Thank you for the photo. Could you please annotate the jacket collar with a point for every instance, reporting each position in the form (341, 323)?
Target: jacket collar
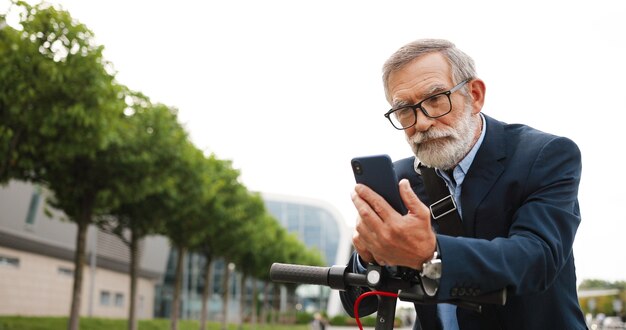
(484, 171)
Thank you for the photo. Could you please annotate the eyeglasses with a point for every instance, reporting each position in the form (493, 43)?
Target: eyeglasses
(434, 106)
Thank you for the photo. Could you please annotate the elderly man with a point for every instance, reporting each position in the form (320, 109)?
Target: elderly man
(515, 190)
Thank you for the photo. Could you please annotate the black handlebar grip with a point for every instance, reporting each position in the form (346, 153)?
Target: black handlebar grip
(299, 274)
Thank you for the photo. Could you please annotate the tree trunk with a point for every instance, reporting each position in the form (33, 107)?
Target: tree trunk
(242, 300)
(134, 262)
(79, 256)
(266, 303)
(177, 288)
(225, 295)
(253, 319)
(276, 302)
(291, 302)
(208, 288)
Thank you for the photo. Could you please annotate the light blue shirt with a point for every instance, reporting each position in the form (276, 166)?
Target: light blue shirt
(447, 312)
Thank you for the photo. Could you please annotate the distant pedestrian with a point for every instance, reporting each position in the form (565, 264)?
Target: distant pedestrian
(319, 322)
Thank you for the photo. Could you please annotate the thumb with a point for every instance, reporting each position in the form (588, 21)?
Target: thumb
(412, 202)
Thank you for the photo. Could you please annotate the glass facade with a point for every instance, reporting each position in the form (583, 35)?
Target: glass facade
(318, 228)
(315, 226)
(314, 223)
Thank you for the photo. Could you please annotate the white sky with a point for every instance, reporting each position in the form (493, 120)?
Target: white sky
(290, 91)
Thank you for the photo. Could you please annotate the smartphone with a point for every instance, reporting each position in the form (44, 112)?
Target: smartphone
(377, 172)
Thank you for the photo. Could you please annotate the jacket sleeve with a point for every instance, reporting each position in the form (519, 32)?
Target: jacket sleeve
(538, 245)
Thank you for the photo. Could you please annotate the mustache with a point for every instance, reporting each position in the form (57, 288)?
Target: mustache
(431, 134)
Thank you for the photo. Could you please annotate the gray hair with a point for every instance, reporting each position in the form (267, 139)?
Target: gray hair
(461, 64)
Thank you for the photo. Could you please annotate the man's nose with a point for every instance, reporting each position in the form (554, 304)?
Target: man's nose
(422, 124)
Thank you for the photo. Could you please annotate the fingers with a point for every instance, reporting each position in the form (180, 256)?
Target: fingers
(368, 224)
(372, 209)
(387, 237)
(366, 257)
(412, 202)
(369, 217)
(368, 200)
(360, 246)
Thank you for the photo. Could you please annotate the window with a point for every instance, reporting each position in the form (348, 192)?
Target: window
(65, 271)
(105, 298)
(9, 261)
(119, 299)
(33, 206)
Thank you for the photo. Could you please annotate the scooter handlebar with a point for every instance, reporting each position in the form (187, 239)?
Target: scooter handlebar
(303, 274)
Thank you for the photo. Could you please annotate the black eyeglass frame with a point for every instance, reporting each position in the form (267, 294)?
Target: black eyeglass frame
(419, 106)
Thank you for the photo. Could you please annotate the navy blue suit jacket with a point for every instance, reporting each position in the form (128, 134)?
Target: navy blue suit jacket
(520, 213)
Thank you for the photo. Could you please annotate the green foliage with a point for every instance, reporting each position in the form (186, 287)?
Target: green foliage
(55, 323)
(601, 284)
(230, 210)
(59, 109)
(304, 318)
(152, 136)
(340, 320)
(192, 190)
(57, 99)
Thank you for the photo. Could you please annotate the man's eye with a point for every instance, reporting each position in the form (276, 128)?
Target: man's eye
(435, 101)
(403, 112)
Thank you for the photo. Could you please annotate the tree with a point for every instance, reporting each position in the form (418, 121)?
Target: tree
(255, 262)
(293, 251)
(58, 105)
(195, 187)
(282, 247)
(248, 260)
(153, 135)
(272, 253)
(244, 215)
(19, 57)
(228, 229)
(55, 91)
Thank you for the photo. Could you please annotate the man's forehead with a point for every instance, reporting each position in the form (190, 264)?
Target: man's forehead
(420, 78)
(419, 92)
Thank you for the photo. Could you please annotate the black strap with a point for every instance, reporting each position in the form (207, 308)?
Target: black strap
(443, 208)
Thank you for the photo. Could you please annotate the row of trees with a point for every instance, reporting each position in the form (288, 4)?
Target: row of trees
(113, 158)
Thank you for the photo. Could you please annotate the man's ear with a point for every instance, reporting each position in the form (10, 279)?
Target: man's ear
(477, 91)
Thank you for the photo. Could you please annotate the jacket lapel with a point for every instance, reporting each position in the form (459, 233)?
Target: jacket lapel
(483, 173)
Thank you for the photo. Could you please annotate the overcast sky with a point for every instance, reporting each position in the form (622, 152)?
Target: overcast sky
(290, 91)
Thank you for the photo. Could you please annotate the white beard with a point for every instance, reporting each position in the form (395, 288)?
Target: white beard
(443, 148)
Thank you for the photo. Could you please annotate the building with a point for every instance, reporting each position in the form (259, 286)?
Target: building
(315, 222)
(320, 226)
(37, 251)
(37, 268)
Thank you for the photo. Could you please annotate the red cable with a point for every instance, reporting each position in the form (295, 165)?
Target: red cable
(367, 294)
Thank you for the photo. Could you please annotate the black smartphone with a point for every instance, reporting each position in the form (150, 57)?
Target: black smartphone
(377, 172)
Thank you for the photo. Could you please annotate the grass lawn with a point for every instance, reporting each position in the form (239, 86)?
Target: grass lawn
(60, 323)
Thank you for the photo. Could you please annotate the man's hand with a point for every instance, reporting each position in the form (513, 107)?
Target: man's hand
(385, 236)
